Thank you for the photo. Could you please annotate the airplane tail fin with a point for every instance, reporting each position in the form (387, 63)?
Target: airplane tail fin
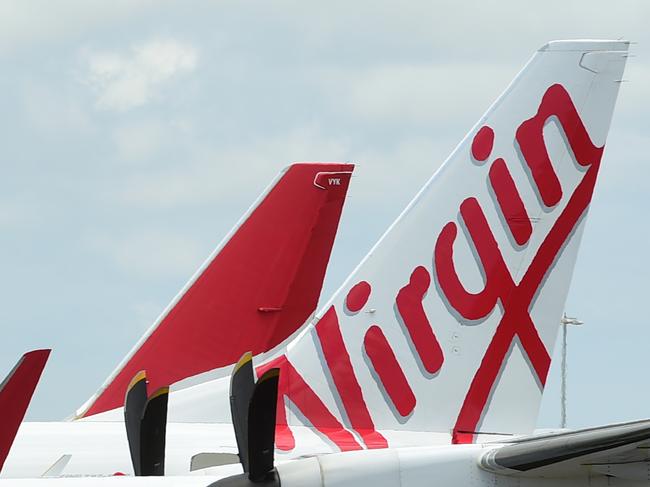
(448, 325)
(257, 288)
(16, 393)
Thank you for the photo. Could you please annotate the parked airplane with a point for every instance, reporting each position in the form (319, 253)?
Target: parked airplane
(431, 359)
(255, 290)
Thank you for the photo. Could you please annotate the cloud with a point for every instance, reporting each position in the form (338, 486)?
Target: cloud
(123, 81)
(153, 188)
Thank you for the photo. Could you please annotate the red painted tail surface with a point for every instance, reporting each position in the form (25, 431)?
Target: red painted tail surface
(260, 285)
(15, 395)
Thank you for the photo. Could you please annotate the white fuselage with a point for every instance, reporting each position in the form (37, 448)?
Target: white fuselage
(443, 466)
(100, 448)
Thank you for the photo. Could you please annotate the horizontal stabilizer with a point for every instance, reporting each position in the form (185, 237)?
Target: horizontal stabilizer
(569, 454)
(209, 460)
(57, 468)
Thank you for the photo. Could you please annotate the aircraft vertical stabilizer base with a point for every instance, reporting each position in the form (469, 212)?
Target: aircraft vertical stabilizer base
(428, 365)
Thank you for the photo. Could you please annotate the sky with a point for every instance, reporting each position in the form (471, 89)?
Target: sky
(135, 133)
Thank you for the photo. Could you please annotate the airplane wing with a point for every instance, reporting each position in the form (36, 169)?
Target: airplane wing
(619, 450)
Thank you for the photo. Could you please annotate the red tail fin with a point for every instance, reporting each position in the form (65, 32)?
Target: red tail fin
(15, 395)
(260, 285)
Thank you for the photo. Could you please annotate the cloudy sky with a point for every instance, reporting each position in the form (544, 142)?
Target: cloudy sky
(135, 133)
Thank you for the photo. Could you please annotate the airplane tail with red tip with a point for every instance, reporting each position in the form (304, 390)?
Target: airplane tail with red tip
(15, 395)
(448, 325)
(259, 286)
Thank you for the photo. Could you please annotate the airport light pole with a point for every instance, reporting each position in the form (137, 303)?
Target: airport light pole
(564, 322)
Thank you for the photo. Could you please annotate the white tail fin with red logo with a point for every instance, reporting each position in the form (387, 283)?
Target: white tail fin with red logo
(448, 325)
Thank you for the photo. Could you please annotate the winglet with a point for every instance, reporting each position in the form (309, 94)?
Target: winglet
(15, 395)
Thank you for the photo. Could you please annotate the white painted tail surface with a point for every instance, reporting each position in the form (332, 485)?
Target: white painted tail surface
(448, 324)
